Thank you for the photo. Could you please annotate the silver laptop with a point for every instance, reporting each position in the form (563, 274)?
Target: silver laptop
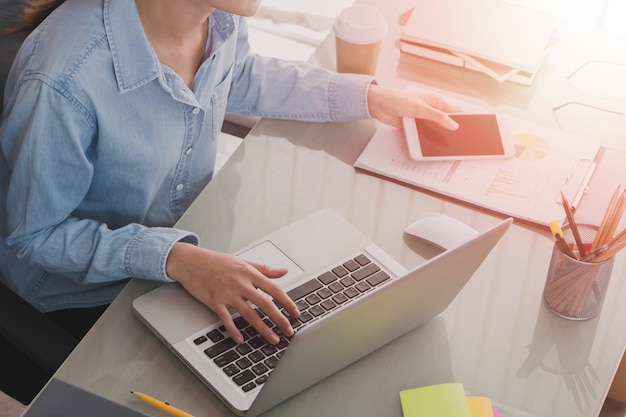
(354, 298)
(60, 398)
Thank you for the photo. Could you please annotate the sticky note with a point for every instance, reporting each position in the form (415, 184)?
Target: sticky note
(480, 406)
(441, 400)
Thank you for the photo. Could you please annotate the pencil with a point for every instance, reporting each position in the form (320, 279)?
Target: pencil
(616, 217)
(559, 241)
(606, 219)
(573, 226)
(615, 246)
(163, 406)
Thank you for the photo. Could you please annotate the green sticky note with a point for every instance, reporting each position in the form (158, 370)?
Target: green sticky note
(441, 400)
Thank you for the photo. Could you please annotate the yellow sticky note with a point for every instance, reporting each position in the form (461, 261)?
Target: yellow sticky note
(480, 406)
(441, 400)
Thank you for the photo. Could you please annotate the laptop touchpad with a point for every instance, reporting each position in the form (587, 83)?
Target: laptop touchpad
(267, 253)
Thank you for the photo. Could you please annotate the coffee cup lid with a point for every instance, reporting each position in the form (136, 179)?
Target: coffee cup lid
(361, 24)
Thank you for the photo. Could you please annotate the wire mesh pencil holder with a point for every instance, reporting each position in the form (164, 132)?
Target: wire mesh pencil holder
(576, 289)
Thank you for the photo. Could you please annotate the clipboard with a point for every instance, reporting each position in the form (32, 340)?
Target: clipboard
(577, 183)
(548, 162)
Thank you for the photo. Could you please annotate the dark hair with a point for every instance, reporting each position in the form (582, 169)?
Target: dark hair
(34, 12)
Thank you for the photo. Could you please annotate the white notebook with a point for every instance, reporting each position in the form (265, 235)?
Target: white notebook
(493, 30)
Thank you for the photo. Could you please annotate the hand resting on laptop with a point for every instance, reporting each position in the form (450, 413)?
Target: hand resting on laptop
(233, 281)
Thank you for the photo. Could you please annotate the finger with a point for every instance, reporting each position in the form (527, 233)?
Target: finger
(283, 299)
(253, 318)
(439, 117)
(278, 294)
(269, 271)
(445, 121)
(270, 309)
(229, 324)
(440, 103)
(268, 306)
(275, 291)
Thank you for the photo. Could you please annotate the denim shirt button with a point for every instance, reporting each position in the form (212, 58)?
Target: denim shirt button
(179, 187)
(196, 110)
(188, 151)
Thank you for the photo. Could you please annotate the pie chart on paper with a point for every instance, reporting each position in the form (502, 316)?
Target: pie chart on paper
(530, 147)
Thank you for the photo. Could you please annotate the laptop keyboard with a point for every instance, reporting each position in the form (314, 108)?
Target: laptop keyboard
(250, 363)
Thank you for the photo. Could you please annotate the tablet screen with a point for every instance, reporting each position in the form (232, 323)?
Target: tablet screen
(477, 135)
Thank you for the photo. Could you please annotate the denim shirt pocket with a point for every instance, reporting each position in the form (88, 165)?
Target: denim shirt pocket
(219, 100)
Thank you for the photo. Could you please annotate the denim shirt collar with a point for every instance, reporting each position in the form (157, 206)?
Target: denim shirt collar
(134, 60)
(224, 25)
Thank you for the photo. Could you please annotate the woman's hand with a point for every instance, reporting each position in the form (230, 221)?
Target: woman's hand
(223, 281)
(389, 106)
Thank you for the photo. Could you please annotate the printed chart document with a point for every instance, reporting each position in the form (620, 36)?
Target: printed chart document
(528, 186)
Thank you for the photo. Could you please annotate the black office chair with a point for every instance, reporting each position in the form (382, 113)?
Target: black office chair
(32, 347)
(9, 44)
(30, 342)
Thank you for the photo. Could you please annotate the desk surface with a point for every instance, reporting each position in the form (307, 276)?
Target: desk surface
(496, 338)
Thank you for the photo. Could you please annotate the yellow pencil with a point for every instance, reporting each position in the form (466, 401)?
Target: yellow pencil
(560, 242)
(163, 406)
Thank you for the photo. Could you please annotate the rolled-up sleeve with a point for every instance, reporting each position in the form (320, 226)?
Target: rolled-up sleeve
(147, 251)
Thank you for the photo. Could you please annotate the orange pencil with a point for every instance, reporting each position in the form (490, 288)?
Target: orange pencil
(573, 226)
(615, 218)
(601, 238)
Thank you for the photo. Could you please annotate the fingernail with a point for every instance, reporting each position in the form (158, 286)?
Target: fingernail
(452, 125)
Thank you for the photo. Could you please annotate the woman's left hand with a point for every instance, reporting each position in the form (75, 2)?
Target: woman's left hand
(389, 106)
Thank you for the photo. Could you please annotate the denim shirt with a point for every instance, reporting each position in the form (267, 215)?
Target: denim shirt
(103, 148)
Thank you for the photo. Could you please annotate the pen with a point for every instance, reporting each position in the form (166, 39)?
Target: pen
(163, 406)
(559, 241)
(573, 226)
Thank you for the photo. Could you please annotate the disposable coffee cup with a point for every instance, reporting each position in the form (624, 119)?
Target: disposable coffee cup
(359, 32)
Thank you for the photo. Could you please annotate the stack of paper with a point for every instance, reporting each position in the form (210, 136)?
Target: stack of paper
(503, 40)
(445, 400)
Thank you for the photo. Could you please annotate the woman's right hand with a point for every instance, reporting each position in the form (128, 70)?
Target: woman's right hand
(222, 281)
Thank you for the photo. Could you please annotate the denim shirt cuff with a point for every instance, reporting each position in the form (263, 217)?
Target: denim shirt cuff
(147, 252)
(348, 97)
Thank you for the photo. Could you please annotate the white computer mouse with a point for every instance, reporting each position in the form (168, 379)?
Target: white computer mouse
(441, 230)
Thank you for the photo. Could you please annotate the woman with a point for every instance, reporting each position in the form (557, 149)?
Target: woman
(112, 110)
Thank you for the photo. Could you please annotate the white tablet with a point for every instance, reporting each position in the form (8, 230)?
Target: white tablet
(479, 136)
